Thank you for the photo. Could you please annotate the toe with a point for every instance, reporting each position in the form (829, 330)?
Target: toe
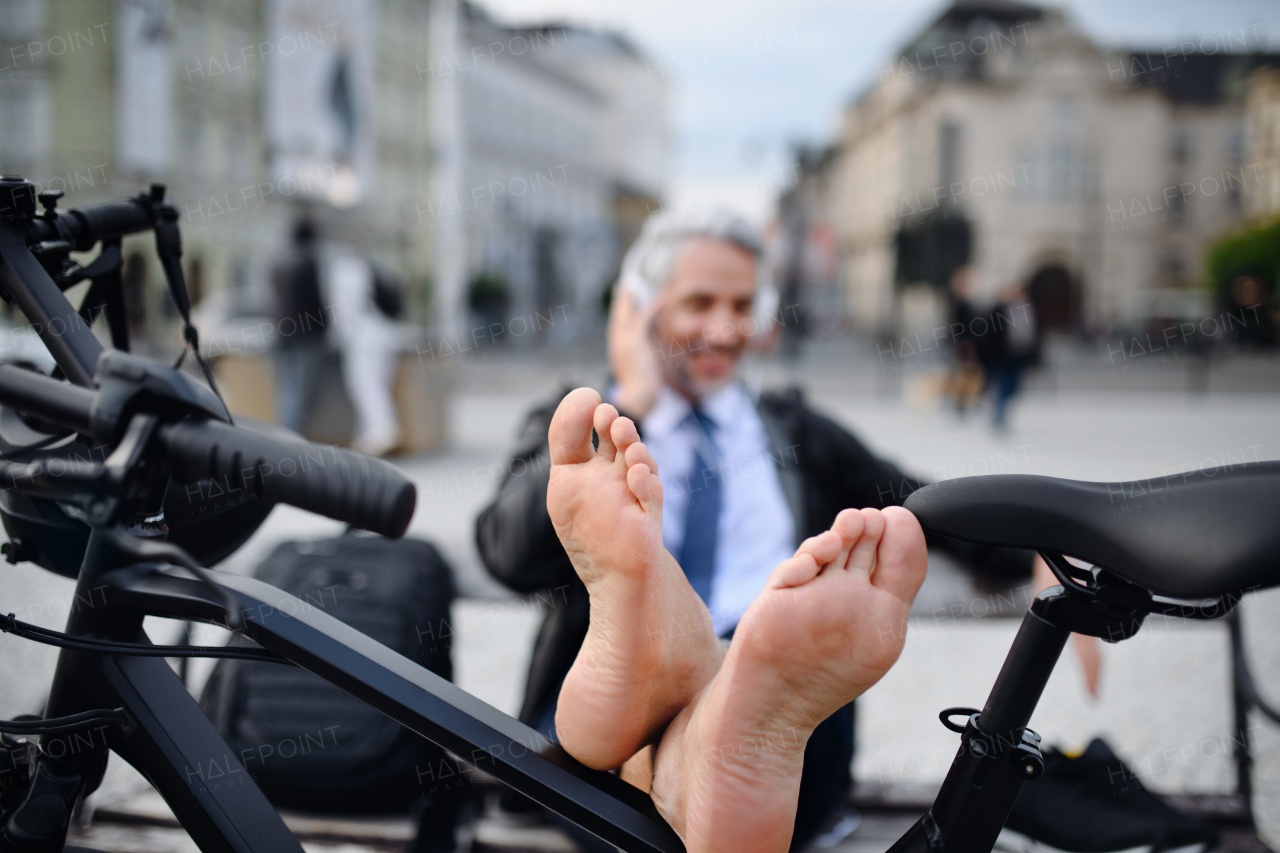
(570, 432)
(848, 526)
(794, 571)
(605, 417)
(823, 548)
(637, 451)
(624, 435)
(863, 556)
(903, 557)
(646, 486)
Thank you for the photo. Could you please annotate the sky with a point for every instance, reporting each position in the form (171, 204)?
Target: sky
(750, 78)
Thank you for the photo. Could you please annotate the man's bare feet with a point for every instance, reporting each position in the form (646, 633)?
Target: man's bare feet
(830, 623)
(650, 646)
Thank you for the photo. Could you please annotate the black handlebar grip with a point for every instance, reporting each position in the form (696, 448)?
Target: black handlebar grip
(107, 221)
(360, 490)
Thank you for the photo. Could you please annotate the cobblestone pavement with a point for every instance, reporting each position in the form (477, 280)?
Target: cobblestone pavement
(1164, 702)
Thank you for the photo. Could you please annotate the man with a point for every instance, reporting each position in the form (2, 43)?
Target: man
(300, 323)
(965, 381)
(370, 343)
(1015, 346)
(745, 478)
(718, 737)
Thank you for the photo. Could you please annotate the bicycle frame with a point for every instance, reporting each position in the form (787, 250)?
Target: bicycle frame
(178, 750)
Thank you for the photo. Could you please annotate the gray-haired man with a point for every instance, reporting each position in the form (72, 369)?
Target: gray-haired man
(745, 476)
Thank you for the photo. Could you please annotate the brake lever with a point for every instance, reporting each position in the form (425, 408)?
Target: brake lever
(108, 260)
(54, 256)
(155, 551)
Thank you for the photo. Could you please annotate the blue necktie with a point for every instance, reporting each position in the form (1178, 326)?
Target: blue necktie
(701, 520)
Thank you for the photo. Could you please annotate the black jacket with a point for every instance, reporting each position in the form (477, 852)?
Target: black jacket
(822, 467)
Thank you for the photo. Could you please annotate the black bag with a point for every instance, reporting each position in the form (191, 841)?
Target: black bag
(310, 745)
(387, 295)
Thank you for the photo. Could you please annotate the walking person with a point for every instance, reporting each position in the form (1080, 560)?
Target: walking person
(370, 344)
(965, 380)
(1015, 346)
(300, 327)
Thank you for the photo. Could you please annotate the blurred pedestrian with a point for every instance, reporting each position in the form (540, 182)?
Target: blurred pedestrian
(1014, 347)
(300, 324)
(965, 380)
(370, 344)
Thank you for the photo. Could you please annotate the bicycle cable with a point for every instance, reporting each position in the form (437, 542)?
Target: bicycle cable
(68, 724)
(15, 452)
(27, 631)
(191, 343)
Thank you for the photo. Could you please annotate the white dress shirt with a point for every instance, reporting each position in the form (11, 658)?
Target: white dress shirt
(756, 531)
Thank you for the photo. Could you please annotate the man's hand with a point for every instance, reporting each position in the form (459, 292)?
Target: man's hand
(1089, 649)
(632, 354)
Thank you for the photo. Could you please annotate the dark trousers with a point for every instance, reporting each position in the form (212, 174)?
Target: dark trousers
(826, 776)
(1007, 377)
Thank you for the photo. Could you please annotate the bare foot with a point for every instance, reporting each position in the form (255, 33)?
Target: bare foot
(650, 646)
(830, 623)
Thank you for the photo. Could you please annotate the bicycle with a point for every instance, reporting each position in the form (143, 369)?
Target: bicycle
(163, 428)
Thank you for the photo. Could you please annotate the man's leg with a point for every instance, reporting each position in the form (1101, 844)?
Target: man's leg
(310, 372)
(829, 624)
(650, 646)
(289, 366)
(1006, 387)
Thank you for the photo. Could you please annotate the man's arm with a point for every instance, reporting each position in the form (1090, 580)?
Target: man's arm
(517, 543)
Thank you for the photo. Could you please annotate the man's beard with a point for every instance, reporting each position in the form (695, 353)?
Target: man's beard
(680, 377)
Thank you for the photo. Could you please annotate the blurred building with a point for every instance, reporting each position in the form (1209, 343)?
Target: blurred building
(249, 110)
(1262, 141)
(1002, 137)
(444, 145)
(804, 253)
(551, 149)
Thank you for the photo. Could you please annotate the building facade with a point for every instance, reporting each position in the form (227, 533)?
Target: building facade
(1262, 142)
(1002, 138)
(546, 138)
(104, 97)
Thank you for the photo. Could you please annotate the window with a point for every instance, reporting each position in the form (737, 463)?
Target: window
(948, 153)
(1235, 145)
(1181, 148)
(22, 124)
(1026, 173)
(1180, 207)
(1064, 168)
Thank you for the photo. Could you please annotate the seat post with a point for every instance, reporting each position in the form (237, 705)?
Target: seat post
(997, 752)
(1240, 707)
(1023, 676)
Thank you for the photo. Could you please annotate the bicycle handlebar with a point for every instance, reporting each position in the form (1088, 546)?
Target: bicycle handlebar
(48, 399)
(87, 225)
(108, 221)
(362, 491)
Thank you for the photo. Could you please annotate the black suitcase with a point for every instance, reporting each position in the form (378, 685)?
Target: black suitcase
(310, 745)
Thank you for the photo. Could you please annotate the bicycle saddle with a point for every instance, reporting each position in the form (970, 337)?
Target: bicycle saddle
(1188, 535)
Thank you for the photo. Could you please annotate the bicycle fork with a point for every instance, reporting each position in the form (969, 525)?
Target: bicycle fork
(167, 737)
(67, 768)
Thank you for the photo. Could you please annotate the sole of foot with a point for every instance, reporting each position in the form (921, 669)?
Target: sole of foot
(829, 624)
(650, 646)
